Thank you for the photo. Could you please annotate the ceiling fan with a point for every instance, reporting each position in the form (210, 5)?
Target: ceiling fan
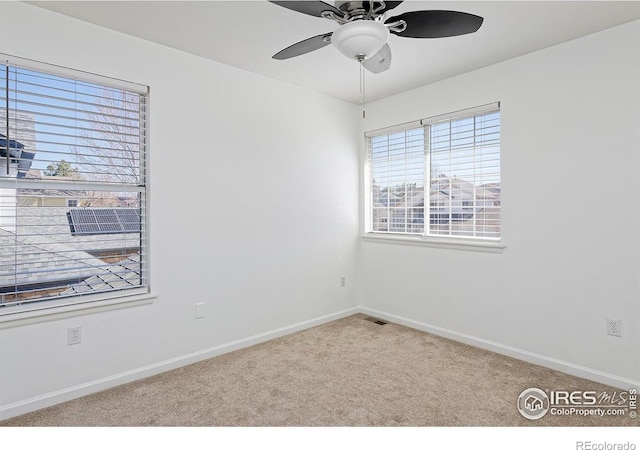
(365, 27)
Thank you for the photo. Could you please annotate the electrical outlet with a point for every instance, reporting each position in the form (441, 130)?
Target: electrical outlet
(74, 335)
(614, 327)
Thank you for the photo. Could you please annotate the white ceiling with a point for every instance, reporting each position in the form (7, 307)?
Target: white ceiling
(245, 34)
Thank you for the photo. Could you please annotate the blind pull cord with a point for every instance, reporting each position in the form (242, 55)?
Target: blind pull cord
(6, 111)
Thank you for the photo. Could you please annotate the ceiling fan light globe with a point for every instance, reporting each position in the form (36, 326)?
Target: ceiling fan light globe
(360, 39)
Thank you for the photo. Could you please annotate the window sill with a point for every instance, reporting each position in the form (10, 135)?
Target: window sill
(30, 313)
(447, 243)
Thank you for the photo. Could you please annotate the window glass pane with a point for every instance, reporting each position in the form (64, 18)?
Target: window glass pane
(94, 128)
(51, 253)
(397, 171)
(465, 177)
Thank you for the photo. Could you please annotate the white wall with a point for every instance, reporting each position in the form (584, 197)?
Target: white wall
(253, 211)
(571, 214)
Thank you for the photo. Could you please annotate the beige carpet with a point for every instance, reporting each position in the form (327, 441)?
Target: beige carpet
(351, 372)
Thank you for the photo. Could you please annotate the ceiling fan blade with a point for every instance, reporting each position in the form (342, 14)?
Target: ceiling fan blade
(306, 46)
(437, 24)
(388, 6)
(379, 62)
(312, 8)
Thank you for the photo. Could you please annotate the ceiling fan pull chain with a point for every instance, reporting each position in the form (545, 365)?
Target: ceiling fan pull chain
(362, 84)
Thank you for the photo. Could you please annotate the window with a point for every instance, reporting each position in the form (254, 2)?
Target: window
(450, 163)
(72, 185)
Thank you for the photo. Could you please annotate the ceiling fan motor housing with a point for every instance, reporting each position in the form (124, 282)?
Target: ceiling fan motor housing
(353, 6)
(360, 39)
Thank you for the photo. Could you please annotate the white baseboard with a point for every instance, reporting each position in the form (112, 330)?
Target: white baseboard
(523, 355)
(73, 392)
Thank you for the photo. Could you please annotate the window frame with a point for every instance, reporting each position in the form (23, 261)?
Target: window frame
(470, 243)
(18, 313)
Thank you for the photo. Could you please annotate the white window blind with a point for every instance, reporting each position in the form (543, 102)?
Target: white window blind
(457, 157)
(66, 141)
